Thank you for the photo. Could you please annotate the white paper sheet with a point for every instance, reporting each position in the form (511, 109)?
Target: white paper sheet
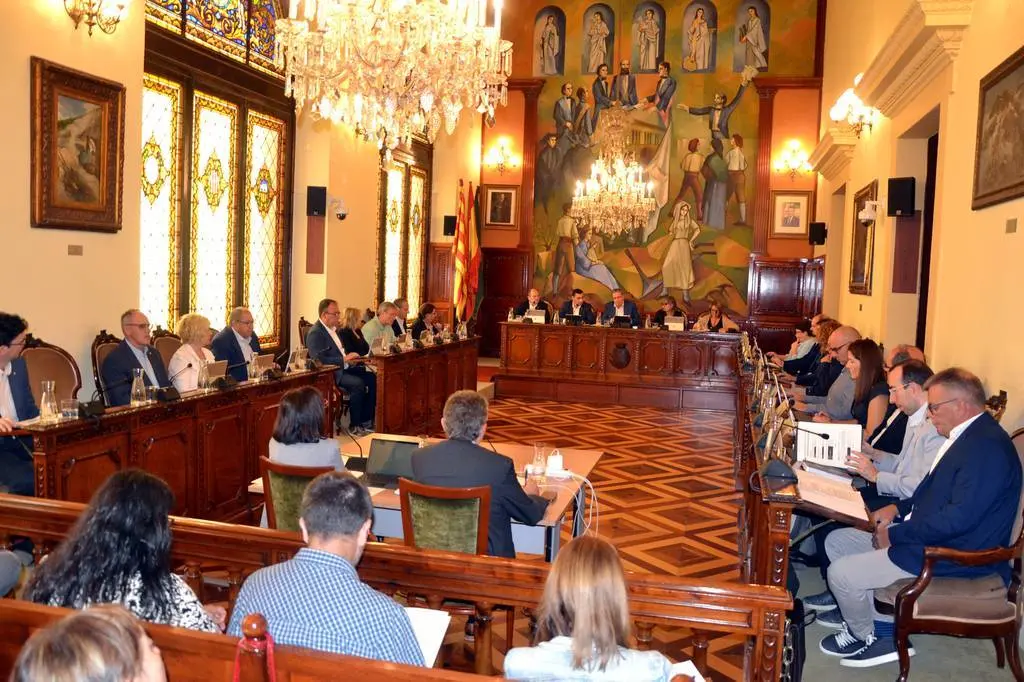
(832, 451)
(686, 668)
(828, 492)
(429, 626)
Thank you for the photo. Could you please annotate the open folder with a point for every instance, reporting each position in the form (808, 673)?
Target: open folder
(830, 492)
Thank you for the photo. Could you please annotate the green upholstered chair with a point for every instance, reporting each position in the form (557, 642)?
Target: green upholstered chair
(283, 486)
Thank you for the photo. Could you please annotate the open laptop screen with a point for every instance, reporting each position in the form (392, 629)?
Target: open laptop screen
(391, 457)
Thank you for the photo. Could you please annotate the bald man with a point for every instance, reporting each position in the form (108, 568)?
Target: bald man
(900, 353)
(533, 302)
(839, 400)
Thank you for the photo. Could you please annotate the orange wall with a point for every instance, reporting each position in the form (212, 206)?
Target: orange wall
(795, 116)
(508, 123)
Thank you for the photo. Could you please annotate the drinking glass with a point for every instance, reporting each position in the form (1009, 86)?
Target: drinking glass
(69, 409)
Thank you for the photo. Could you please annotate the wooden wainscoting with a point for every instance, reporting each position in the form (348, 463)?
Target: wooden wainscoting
(505, 278)
(440, 279)
(781, 292)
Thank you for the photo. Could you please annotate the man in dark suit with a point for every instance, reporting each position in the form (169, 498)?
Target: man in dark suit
(624, 87)
(237, 344)
(967, 501)
(665, 90)
(577, 306)
(533, 302)
(16, 404)
(325, 346)
(400, 325)
(460, 462)
(601, 93)
(134, 352)
(620, 307)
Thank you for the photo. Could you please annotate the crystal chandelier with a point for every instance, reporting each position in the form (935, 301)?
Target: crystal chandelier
(615, 198)
(394, 68)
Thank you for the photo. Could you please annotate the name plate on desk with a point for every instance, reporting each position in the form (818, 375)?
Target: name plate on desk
(676, 324)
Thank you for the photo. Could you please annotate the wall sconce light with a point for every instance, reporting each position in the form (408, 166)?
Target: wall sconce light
(851, 110)
(793, 159)
(500, 157)
(103, 13)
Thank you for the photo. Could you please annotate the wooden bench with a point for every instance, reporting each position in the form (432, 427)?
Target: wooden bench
(755, 612)
(199, 656)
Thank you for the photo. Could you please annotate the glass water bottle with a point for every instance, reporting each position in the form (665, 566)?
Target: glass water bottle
(48, 411)
(139, 397)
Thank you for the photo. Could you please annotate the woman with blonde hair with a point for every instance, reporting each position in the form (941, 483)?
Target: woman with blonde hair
(194, 331)
(583, 623)
(350, 334)
(100, 643)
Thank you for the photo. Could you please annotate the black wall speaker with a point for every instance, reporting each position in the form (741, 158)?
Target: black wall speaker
(316, 201)
(449, 225)
(901, 196)
(816, 234)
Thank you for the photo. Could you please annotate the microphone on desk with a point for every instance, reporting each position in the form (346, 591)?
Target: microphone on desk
(796, 427)
(179, 373)
(170, 394)
(96, 406)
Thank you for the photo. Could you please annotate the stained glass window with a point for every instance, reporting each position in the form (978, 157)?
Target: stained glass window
(394, 242)
(264, 222)
(161, 136)
(240, 29)
(402, 248)
(214, 178)
(417, 234)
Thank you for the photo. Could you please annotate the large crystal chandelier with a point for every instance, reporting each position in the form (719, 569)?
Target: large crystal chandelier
(615, 198)
(394, 68)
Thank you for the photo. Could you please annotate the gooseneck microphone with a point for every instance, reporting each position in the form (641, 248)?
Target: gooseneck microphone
(796, 427)
(179, 373)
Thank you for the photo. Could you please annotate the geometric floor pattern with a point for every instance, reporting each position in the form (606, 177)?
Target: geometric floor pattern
(665, 495)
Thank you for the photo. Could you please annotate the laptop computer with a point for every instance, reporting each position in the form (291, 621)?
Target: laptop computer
(264, 362)
(622, 322)
(215, 370)
(388, 461)
(675, 323)
(535, 316)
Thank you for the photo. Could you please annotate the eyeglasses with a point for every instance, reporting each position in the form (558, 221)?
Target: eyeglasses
(330, 314)
(893, 389)
(934, 407)
(144, 325)
(839, 348)
(247, 323)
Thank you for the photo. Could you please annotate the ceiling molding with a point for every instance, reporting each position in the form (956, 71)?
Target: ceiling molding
(834, 152)
(924, 42)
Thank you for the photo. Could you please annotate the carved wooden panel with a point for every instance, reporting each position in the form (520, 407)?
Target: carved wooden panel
(391, 401)
(440, 273)
(775, 287)
(655, 356)
(620, 353)
(163, 450)
(416, 396)
(554, 351)
(520, 348)
(586, 352)
(83, 468)
(225, 477)
(437, 385)
(689, 360)
(724, 362)
(505, 277)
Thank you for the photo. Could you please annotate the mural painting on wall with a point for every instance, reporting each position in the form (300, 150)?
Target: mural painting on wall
(549, 42)
(691, 127)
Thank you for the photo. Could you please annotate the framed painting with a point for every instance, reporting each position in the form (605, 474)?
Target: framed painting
(862, 255)
(77, 149)
(998, 171)
(791, 213)
(501, 206)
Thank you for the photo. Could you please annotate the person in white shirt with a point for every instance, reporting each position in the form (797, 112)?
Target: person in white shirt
(188, 360)
(583, 623)
(17, 474)
(736, 163)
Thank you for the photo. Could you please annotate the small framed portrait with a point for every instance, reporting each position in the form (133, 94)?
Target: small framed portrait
(501, 206)
(792, 212)
(77, 149)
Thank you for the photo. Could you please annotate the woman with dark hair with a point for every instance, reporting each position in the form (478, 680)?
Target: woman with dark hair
(297, 440)
(119, 552)
(426, 320)
(802, 353)
(871, 392)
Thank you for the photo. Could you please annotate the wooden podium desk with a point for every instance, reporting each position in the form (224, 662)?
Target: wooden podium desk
(412, 386)
(645, 367)
(206, 446)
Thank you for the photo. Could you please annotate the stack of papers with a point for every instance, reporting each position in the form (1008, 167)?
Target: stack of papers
(831, 492)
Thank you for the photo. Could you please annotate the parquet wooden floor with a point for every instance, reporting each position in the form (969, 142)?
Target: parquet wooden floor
(665, 495)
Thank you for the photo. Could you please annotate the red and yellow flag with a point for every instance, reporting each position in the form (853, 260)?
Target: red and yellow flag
(460, 298)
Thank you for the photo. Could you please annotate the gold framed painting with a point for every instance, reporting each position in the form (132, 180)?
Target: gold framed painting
(501, 206)
(792, 212)
(862, 255)
(998, 172)
(77, 149)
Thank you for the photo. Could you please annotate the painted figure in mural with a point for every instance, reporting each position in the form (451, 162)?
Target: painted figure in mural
(563, 113)
(719, 112)
(588, 251)
(698, 38)
(716, 179)
(598, 33)
(677, 270)
(602, 94)
(582, 120)
(624, 87)
(736, 162)
(568, 237)
(648, 34)
(549, 165)
(691, 165)
(664, 92)
(550, 47)
(752, 37)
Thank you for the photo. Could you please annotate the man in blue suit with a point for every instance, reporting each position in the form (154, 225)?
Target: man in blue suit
(134, 352)
(16, 404)
(968, 502)
(237, 344)
(665, 91)
(718, 113)
(577, 306)
(602, 94)
(620, 307)
(325, 345)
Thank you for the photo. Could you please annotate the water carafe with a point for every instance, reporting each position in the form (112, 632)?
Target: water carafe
(139, 397)
(48, 412)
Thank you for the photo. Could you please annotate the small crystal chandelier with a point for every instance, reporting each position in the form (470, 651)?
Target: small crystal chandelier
(102, 13)
(394, 68)
(793, 160)
(615, 198)
(849, 109)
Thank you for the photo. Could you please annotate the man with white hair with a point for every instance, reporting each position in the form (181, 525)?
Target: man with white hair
(237, 343)
(380, 326)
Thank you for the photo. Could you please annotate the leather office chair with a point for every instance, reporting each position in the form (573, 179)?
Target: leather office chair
(962, 607)
(166, 343)
(449, 520)
(102, 346)
(47, 362)
(283, 486)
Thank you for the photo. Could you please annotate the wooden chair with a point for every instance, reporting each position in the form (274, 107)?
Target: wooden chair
(962, 607)
(304, 327)
(448, 520)
(47, 362)
(283, 486)
(996, 405)
(102, 346)
(166, 343)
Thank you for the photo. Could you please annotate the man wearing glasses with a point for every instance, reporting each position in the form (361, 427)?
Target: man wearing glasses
(16, 404)
(839, 400)
(967, 501)
(134, 352)
(237, 344)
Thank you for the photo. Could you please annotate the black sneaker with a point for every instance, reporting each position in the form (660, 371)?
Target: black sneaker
(823, 601)
(844, 644)
(830, 619)
(879, 651)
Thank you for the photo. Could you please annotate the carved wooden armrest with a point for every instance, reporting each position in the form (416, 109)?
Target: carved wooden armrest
(979, 558)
